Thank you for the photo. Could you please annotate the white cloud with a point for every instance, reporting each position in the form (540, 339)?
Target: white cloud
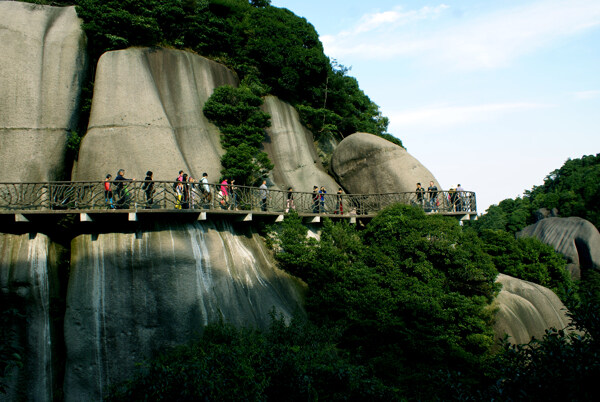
(395, 18)
(486, 41)
(445, 116)
(586, 95)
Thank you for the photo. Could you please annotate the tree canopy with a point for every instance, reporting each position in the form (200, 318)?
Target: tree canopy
(410, 292)
(237, 113)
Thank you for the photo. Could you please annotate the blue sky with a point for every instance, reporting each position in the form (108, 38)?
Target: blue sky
(490, 94)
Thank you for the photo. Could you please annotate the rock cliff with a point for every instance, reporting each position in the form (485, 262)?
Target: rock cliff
(290, 147)
(147, 115)
(526, 310)
(42, 68)
(29, 284)
(575, 238)
(131, 295)
(368, 164)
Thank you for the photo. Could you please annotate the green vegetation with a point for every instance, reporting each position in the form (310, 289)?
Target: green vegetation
(291, 362)
(410, 293)
(528, 259)
(236, 111)
(574, 190)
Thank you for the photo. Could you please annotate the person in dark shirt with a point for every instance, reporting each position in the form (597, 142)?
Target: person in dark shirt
(290, 200)
(420, 191)
(322, 193)
(148, 188)
(432, 190)
(315, 200)
(122, 191)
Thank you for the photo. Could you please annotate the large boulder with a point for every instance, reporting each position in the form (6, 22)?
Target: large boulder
(291, 148)
(575, 238)
(132, 295)
(42, 68)
(147, 115)
(367, 164)
(29, 291)
(527, 310)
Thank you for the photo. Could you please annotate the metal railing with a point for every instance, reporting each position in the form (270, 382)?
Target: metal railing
(169, 195)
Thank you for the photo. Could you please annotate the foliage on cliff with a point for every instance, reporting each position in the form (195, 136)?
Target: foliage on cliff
(410, 292)
(528, 259)
(260, 42)
(295, 362)
(574, 189)
(236, 111)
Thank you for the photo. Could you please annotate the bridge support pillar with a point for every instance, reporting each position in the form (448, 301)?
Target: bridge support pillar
(244, 218)
(83, 217)
(21, 218)
(132, 216)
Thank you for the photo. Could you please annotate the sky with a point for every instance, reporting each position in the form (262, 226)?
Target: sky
(493, 95)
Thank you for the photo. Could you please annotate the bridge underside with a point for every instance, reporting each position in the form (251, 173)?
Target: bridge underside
(119, 219)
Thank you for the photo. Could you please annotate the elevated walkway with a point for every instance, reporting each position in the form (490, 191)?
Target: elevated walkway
(139, 201)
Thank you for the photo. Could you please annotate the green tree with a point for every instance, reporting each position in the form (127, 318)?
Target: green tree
(410, 292)
(292, 362)
(237, 113)
(528, 259)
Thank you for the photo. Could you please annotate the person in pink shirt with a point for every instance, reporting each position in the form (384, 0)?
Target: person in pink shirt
(224, 194)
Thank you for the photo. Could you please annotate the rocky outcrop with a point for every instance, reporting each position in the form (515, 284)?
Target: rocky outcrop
(575, 238)
(526, 310)
(367, 164)
(147, 115)
(28, 283)
(42, 67)
(290, 147)
(133, 294)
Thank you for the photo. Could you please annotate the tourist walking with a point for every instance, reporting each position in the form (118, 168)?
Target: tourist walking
(290, 200)
(322, 193)
(206, 196)
(315, 200)
(121, 190)
(224, 194)
(432, 190)
(264, 193)
(148, 188)
(420, 192)
(339, 202)
(108, 194)
(233, 193)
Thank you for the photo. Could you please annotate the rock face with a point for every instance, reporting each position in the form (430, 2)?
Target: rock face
(526, 309)
(131, 295)
(575, 238)
(42, 67)
(147, 115)
(368, 164)
(290, 147)
(28, 283)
